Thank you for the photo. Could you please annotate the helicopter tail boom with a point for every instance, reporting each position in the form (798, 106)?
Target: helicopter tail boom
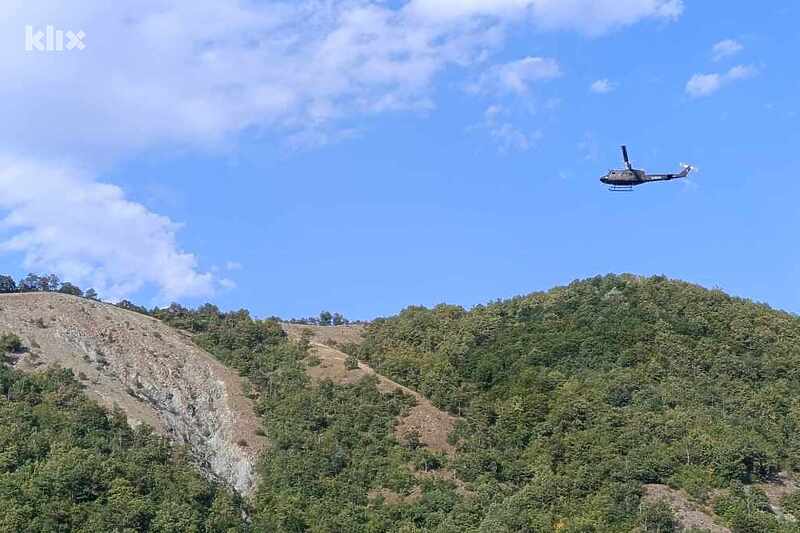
(666, 177)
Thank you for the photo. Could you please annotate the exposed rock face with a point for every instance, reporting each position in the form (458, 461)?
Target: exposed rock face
(155, 374)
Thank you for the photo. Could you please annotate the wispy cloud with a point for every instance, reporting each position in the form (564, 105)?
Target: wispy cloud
(517, 77)
(507, 136)
(592, 17)
(233, 265)
(588, 147)
(701, 85)
(725, 48)
(602, 86)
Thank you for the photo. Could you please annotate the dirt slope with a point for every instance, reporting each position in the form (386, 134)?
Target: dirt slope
(777, 489)
(694, 515)
(432, 424)
(327, 334)
(154, 373)
(689, 514)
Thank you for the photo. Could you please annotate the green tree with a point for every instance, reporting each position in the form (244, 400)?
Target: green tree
(66, 464)
(7, 284)
(351, 362)
(69, 288)
(224, 515)
(9, 342)
(30, 283)
(176, 517)
(325, 318)
(657, 517)
(50, 282)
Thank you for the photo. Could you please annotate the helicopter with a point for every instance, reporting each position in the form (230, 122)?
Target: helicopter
(627, 178)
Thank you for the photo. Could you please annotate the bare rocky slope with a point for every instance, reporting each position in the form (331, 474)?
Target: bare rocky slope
(154, 373)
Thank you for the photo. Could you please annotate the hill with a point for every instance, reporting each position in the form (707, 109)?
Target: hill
(574, 399)
(614, 404)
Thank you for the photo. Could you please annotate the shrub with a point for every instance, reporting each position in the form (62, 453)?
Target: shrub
(657, 517)
(427, 461)
(791, 504)
(9, 342)
(351, 363)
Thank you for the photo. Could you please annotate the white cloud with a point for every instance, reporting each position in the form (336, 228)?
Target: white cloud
(602, 86)
(196, 73)
(227, 284)
(170, 71)
(449, 10)
(703, 84)
(596, 17)
(707, 84)
(726, 48)
(507, 136)
(514, 78)
(741, 72)
(593, 17)
(63, 221)
(233, 265)
(517, 76)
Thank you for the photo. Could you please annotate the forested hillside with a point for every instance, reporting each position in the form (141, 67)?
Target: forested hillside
(574, 398)
(67, 464)
(334, 458)
(597, 407)
(572, 403)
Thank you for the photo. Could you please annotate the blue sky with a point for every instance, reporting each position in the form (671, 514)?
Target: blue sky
(461, 172)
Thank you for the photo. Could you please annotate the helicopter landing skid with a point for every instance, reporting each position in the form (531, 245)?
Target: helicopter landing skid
(621, 188)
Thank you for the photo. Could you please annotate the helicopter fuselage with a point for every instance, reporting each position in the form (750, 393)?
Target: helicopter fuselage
(620, 177)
